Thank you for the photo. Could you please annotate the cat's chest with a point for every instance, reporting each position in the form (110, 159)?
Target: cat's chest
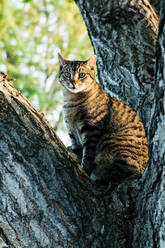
(77, 116)
(88, 113)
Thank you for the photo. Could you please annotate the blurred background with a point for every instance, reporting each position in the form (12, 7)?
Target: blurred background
(32, 32)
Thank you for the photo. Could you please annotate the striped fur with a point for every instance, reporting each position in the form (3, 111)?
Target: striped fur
(106, 134)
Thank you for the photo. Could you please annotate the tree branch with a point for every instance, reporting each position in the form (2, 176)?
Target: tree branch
(40, 181)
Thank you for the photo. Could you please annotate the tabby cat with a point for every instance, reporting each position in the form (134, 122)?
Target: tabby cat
(105, 133)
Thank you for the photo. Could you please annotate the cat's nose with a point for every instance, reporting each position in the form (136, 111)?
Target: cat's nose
(73, 82)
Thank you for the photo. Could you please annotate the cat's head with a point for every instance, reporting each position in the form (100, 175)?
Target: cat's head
(77, 76)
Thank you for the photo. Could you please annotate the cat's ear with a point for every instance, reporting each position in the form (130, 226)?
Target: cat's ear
(61, 59)
(92, 62)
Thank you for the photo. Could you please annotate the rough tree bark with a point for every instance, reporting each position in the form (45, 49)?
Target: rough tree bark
(149, 224)
(46, 200)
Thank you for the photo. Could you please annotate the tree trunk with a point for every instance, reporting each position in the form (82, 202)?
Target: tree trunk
(46, 200)
(149, 224)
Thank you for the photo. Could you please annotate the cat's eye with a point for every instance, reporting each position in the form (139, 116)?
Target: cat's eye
(67, 74)
(82, 75)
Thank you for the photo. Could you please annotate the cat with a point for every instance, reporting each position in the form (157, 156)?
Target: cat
(106, 134)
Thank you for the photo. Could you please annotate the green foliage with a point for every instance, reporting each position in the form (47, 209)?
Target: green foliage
(32, 33)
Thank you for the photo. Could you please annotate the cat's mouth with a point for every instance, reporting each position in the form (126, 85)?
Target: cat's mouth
(76, 88)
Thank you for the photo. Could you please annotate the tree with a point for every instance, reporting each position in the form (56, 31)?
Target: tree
(46, 198)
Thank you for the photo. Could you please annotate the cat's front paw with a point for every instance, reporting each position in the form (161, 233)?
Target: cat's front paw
(76, 151)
